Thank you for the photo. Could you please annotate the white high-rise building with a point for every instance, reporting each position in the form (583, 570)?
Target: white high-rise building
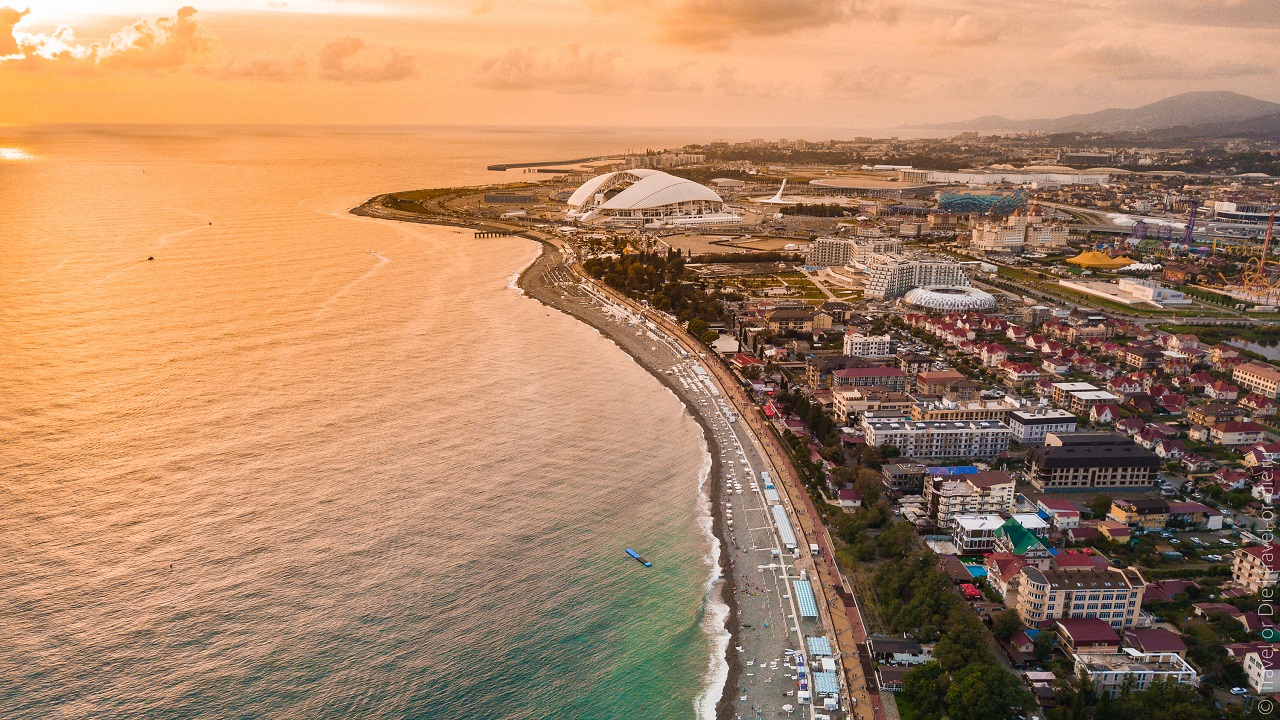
(868, 345)
(891, 275)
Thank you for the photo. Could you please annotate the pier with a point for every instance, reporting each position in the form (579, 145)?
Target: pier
(501, 167)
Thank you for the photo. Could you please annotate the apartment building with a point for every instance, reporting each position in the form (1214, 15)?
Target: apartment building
(1257, 567)
(982, 493)
(1030, 427)
(1113, 595)
(1085, 461)
(1080, 397)
(889, 377)
(938, 439)
(948, 409)
(975, 533)
(849, 405)
(891, 275)
(868, 345)
(1262, 667)
(1260, 378)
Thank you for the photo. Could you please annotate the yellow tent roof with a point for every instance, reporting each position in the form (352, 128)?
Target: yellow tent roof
(1095, 259)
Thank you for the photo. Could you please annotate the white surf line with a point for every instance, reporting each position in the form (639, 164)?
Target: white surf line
(382, 260)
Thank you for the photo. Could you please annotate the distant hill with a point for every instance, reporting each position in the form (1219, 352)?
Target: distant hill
(1192, 109)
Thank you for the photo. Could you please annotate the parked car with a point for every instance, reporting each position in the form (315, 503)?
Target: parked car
(1213, 558)
(1239, 691)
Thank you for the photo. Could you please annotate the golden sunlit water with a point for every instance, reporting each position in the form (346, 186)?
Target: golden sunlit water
(262, 458)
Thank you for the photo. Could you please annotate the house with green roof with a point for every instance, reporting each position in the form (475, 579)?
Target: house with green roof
(1012, 537)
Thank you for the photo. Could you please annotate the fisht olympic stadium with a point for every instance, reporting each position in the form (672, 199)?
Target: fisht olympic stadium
(647, 198)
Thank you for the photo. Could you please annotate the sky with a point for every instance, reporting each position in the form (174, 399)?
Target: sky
(768, 63)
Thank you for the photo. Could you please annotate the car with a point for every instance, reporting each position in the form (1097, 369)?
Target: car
(1213, 558)
(1175, 541)
(1228, 543)
(1197, 540)
(1239, 691)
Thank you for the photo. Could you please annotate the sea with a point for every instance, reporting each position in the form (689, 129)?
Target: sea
(260, 458)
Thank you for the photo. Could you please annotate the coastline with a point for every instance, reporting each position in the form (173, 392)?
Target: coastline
(535, 282)
(540, 280)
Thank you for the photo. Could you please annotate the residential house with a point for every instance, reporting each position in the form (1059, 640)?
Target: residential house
(1104, 413)
(1063, 513)
(850, 500)
(1214, 413)
(1087, 635)
(1258, 405)
(1222, 391)
(1235, 434)
(1262, 454)
(975, 533)
(1145, 513)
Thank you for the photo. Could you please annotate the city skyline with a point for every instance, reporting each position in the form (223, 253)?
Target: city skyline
(852, 64)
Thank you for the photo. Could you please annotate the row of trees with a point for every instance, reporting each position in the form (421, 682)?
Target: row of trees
(660, 279)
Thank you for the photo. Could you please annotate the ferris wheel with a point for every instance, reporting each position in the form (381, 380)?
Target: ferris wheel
(1259, 277)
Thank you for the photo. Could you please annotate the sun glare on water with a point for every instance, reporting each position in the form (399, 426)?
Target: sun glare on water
(11, 153)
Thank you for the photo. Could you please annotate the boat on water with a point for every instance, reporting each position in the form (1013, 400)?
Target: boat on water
(639, 558)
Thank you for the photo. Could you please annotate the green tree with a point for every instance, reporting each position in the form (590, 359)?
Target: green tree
(1004, 625)
(1044, 646)
(924, 688)
(1100, 505)
(985, 692)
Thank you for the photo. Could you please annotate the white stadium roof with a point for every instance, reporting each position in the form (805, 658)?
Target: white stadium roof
(649, 189)
(940, 297)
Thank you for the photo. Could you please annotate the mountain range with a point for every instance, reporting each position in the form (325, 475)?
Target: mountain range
(1202, 110)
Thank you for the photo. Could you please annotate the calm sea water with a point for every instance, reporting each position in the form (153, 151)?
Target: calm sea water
(307, 465)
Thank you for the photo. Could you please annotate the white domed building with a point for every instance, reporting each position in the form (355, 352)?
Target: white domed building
(642, 197)
(941, 297)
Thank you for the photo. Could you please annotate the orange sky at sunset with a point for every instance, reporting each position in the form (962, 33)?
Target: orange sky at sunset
(832, 63)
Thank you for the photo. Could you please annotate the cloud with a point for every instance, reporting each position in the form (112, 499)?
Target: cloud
(157, 44)
(713, 23)
(293, 66)
(1126, 61)
(868, 82)
(160, 43)
(173, 43)
(9, 17)
(348, 59)
(571, 69)
(962, 31)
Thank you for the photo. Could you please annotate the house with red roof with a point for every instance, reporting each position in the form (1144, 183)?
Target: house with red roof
(1259, 405)
(1262, 454)
(1229, 478)
(850, 500)
(1194, 463)
(1155, 640)
(1104, 413)
(1170, 449)
(1130, 426)
(1084, 636)
(1235, 434)
(1222, 391)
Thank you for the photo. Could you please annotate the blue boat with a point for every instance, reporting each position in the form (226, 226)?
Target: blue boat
(639, 558)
